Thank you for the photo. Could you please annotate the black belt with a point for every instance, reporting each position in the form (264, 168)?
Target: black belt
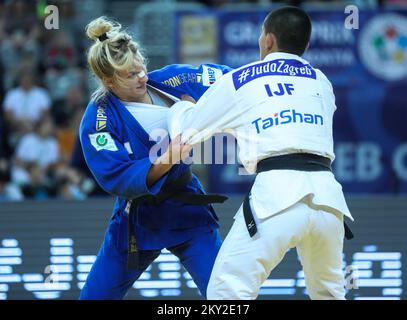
(170, 190)
(295, 161)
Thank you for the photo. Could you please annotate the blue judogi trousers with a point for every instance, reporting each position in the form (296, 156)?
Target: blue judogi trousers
(109, 278)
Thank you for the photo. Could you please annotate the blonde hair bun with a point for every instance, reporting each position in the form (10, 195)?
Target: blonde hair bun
(102, 25)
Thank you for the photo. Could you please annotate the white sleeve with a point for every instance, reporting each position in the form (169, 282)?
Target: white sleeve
(327, 90)
(218, 110)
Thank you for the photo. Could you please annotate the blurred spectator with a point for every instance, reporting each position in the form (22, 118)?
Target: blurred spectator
(19, 37)
(4, 149)
(88, 183)
(24, 106)
(59, 79)
(39, 146)
(8, 190)
(36, 155)
(71, 185)
(60, 50)
(60, 61)
(72, 26)
(67, 115)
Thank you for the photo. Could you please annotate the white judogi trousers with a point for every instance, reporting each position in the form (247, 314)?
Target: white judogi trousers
(244, 263)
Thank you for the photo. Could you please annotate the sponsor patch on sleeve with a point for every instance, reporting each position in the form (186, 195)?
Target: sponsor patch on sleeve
(102, 141)
(210, 75)
(101, 118)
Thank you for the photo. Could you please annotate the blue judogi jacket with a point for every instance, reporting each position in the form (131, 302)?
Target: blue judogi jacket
(116, 149)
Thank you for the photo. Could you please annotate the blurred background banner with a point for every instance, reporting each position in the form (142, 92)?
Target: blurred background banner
(367, 67)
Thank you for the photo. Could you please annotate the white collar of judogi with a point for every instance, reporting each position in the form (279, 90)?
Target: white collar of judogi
(284, 55)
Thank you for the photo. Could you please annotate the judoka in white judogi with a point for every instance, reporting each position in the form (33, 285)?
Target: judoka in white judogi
(280, 105)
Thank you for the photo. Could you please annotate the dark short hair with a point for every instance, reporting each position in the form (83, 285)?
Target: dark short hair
(292, 28)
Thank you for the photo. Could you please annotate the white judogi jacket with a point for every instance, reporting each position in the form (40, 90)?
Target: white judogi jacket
(280, 105)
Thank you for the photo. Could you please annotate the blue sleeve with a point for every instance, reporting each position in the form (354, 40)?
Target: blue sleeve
(179, 79)
(111, 164)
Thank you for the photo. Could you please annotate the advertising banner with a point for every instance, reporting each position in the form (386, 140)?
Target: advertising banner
(47, 249)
